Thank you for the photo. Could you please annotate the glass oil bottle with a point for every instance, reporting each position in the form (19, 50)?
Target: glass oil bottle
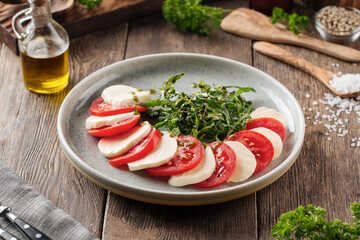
(43, 47)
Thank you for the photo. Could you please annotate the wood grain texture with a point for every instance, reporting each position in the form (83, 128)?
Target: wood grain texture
(77, 20)
(326, 173)
(319, 73)
(28, 128)
(255, 25)
(129, 219)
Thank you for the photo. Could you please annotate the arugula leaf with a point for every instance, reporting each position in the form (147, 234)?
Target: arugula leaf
(309, 223)
(295, 23)
(210, 112)
(191, 15)
(90, 3)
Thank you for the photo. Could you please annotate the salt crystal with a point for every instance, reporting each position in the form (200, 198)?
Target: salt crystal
(353, 144)
(346, 83)
(307, 95)
(315, 102)
(337, 65)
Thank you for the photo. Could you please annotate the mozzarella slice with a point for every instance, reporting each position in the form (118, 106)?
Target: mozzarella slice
(97, 122)
(274, 138)
(164, 153)
(245, 162)
(122, 95)
(119, 144)
(198, 174)
(268, 112)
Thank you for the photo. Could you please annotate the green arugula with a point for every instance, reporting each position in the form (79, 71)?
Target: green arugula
(89, 4)
(309, 223)
(191, 15)
(295, 23)
(210, 112)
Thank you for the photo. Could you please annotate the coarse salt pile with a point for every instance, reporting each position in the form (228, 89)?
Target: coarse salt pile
(336, 116)
(346, 83)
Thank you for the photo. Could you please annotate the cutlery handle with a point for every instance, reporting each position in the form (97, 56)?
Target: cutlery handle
(7, 236)
(30, 232)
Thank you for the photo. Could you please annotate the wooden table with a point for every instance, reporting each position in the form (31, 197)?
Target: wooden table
(325, 174)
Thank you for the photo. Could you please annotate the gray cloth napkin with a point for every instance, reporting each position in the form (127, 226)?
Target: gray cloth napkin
(29, 205)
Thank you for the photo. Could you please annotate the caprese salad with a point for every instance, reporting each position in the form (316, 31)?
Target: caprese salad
(125, 139)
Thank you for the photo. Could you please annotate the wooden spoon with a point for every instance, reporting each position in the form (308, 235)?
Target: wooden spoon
(321, 74)
(255, 25)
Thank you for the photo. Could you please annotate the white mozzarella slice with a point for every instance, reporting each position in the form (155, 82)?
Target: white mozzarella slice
(122, 95)
(268, 112)
(164, 153)
(198, 174)
(245, 162)
(119, 144)
(97, 122)
(274, 139)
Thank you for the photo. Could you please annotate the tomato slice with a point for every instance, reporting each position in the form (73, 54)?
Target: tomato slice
(115, 129)
(140, 150)
(188, 155)
(225, 164)
(269, 123)
(258, 144)
(102, 109)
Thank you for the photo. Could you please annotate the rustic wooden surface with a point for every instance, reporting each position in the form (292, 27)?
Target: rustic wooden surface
(76, 19)
(325, 174)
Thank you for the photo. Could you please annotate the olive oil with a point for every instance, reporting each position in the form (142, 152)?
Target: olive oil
(43, 47)
(45, 75)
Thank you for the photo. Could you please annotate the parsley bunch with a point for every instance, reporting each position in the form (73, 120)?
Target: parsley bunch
(191, 15)
(295, 23)
(211, 112)
(309, 223)
(90, 3)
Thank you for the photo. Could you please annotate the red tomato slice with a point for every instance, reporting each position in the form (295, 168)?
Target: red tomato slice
(102, 109)
(225, 164)
(140, 150)
(115, 129)
(269, 123)
(189, 154)
(258, 144)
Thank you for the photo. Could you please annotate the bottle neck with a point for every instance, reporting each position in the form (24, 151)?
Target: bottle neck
(41, 12)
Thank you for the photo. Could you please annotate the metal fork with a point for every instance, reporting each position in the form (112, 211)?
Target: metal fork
(30, 232)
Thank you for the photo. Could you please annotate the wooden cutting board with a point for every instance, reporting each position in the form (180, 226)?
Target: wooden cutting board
(76, 19)
(255, 25)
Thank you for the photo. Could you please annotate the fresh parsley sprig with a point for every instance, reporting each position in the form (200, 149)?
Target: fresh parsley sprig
(191, 15)
(210, 112)
(89, 4)
(295, 23)
(309, 223)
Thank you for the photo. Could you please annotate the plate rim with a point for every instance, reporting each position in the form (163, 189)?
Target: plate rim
(94, 174)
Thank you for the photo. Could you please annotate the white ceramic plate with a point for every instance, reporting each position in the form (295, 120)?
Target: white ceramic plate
(149, 72)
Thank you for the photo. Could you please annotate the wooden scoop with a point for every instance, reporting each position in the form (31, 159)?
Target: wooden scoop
(321, 74)
(255, 25)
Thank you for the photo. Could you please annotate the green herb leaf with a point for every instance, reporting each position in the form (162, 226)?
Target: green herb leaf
(309, 223)
(294, 22)
(210, 112)
(89, 4)
(191, 15)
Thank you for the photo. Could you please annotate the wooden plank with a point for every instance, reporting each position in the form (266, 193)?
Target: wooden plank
(77, 20)
(327, 171)
(28, 135)
(129, 219)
